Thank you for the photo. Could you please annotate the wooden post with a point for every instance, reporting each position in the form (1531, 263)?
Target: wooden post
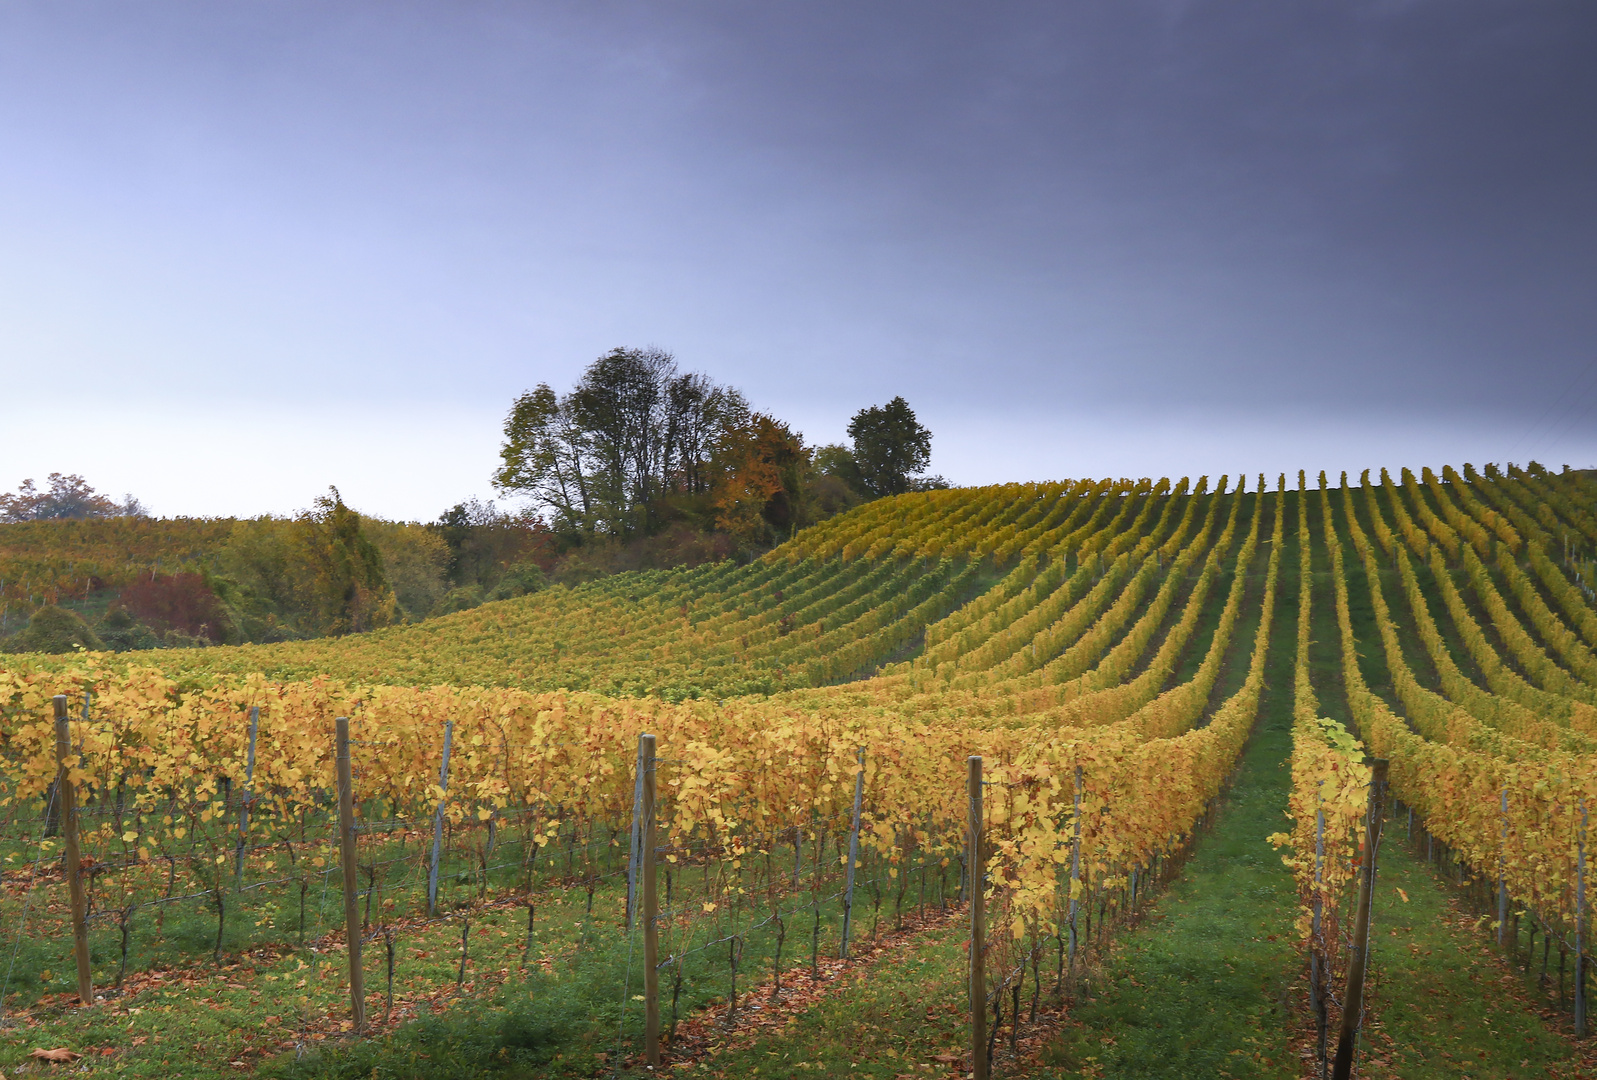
(244, 802)
(978, 925)
(346, 844)
(1075, 870)
(651, 910)
(438, 823)
(853, 853)
(1319, 968)
(1502, 874)
(1580, 926)
(1353, 998)
(72, 859)
(637, 836)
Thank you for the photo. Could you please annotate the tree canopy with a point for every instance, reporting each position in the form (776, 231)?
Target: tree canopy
(890, 447)
(639, 447)
(68, 497)
(633, 431)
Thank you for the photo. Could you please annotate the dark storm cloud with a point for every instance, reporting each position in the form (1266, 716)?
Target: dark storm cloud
(1377, 208)
(1317, 197)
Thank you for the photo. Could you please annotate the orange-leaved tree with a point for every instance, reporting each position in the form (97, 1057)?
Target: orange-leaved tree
(759, 496)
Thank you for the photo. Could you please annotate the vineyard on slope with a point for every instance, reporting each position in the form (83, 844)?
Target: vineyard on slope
(1076, 636)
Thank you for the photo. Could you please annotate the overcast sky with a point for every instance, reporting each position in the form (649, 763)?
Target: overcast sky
(248, 250)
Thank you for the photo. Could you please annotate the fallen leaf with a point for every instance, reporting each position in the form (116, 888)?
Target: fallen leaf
(60, 1053)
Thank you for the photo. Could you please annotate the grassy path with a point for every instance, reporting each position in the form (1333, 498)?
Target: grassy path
(897, 1016)
(1204, 988)
(1443, 1001)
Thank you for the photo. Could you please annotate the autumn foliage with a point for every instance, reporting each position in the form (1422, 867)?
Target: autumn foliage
(181, 602)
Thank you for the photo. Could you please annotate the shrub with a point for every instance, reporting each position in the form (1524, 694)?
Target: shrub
(121, 632)
(519, 580)
(461, 599)
(55, 630)
(181, 602)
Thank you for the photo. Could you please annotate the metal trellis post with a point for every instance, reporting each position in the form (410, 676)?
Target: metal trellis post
(1353, 998)
(438, 822)
(637, 835)
(651, 935)
(244, 802)
(853, 853)
(1580, 926)
(347, 855)
(978, 926)
(72, 860)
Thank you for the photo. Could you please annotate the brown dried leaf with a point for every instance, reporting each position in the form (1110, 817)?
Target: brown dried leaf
(60, 1053)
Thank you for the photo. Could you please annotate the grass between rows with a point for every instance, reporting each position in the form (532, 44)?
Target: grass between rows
(560, 1000)
(277, 1010)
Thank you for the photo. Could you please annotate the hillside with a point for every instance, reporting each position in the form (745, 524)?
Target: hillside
(980, 586)
(1106, 647)
(54, 561)
(143, 583)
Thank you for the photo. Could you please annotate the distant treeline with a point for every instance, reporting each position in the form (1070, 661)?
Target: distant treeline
(639, 448)
(638, 466)
(134, 582)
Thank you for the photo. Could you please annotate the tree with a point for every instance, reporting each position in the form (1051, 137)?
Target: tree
(68, 497)
(837, 461)
(483, 543)
(889, 447)
(319, 573)
(344, 579)
(415, 563)
(602, 459)
(760, 495)
(184, 602)
(547, 456)
(54, 629)
(619, 405)
(699, 417)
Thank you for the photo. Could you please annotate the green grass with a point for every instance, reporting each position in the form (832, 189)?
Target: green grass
(1204, 988)
(266, 915)
(897, 1014)
(198, 1020)
(1444, 1002)
(284, 1010)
